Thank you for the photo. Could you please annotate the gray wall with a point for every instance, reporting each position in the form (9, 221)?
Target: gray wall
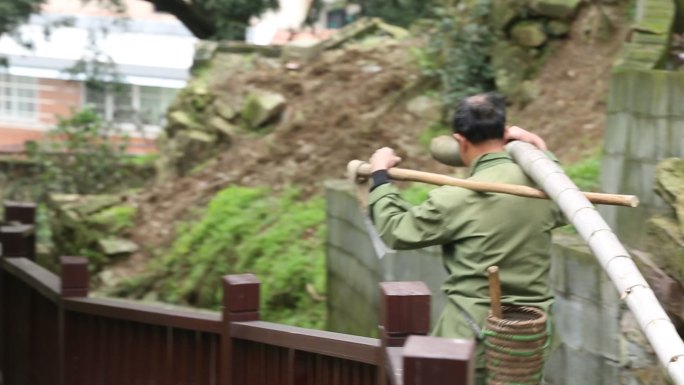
(645, 125)
(358, 261)
(601, 343)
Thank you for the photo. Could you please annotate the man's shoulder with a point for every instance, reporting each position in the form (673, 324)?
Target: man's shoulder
(509, 172)
(451, 195)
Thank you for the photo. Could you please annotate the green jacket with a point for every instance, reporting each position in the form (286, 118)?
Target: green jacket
(476, 230)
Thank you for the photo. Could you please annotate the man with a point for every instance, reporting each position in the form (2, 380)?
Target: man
(475, 229)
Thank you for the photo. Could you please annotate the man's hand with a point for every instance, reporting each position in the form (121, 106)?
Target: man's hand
(383, 159)
(517, 133)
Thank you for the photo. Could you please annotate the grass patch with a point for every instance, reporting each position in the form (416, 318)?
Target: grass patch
(417, 193)
(248, 230)
(586, 173)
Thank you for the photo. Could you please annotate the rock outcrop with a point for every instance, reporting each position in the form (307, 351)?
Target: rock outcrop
(91, 225)
(528, 27)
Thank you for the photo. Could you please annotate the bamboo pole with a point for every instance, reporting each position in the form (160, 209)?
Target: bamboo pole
(610, 253)
(363, 169)
(495, 291)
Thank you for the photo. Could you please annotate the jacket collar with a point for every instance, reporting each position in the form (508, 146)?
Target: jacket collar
(488, 160)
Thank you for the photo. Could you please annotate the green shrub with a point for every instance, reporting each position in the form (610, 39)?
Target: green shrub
(458, 51)
(78, 156)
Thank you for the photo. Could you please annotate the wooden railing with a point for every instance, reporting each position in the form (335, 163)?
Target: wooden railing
(52, 332)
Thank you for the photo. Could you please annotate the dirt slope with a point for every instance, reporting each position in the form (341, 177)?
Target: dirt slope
(570, 112)
(337, 112)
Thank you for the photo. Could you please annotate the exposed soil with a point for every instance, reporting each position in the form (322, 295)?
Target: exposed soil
(337, 111)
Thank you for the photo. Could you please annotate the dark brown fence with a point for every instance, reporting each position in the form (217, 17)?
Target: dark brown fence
(52, 332)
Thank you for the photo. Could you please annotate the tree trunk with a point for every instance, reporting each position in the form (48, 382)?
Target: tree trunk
(195, 19)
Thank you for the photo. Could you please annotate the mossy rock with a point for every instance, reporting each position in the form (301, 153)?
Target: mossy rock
(221, 125)
(665, 241)
(529, 33)
(511, 65)
(301, 51)
(669, 185)
(182, 119)
(82, 205)
(115, 246)
(190, 148)
(555, 9)
(79, 222)
(114, 219)
(204, 53)
(225, 109)
(425, 107)
(261, 107)
(558, 28)
(200, 136)
(504, 12)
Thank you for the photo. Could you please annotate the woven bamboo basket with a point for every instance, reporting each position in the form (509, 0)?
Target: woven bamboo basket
(515, 345)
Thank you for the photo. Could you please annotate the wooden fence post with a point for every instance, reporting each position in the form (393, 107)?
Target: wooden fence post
(240, 303)
(75, 284)
(17, 308)
(20, 212)
(18, 240)
(434, 361)
(75, 277)
(404, 310)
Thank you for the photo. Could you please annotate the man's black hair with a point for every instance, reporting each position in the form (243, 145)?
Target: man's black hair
(481, 117)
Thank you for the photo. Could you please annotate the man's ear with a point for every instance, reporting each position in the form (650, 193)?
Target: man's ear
(462, 141)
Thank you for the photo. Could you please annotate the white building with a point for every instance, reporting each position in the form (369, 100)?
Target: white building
(289, 18)
(152, 53)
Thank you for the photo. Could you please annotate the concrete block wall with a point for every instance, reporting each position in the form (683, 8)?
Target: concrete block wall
(358, 261)
(649, 39)
(602, 344)
(645, 125)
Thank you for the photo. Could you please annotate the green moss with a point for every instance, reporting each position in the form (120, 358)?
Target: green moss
(279, 238)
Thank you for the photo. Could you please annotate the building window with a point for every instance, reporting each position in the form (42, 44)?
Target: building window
(130, 104)
(18, 98)
(337, 18)
(154, 102)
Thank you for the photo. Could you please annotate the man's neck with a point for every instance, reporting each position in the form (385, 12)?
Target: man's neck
(487, 147)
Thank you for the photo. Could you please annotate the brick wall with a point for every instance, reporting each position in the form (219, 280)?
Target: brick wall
(54, 97)
(57, 98)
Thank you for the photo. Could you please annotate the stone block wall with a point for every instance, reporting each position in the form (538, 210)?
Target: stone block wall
(602, 344)
(645, 125)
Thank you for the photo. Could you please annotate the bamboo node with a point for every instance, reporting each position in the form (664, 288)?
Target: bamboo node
(629, 290)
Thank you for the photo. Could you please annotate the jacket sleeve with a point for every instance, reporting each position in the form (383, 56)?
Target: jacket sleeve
(404, 226)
